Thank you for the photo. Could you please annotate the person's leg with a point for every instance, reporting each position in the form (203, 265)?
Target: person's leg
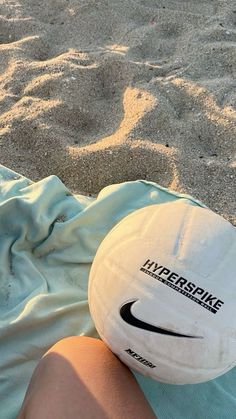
(79, 377)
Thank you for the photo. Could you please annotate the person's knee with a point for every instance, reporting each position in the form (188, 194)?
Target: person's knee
(74, 377)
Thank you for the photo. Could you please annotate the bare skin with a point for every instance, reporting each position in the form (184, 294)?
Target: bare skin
(79, 377)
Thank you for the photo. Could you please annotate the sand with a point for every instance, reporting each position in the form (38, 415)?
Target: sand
(100, 92)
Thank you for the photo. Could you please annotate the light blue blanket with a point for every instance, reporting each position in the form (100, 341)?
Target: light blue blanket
(48, 239)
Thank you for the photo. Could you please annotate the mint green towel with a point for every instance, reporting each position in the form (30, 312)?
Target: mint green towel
(48, 239)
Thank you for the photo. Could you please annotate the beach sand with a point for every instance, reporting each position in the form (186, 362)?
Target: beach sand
(101, 92)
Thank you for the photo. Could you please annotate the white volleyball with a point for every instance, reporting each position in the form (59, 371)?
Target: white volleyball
(162, 292)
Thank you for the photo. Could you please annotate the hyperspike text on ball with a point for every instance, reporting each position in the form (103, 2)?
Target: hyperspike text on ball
(187, 288)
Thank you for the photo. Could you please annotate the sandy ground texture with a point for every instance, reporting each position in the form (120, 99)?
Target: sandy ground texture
(100, 92)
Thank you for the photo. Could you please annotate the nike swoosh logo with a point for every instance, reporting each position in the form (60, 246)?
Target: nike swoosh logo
(128, 317)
